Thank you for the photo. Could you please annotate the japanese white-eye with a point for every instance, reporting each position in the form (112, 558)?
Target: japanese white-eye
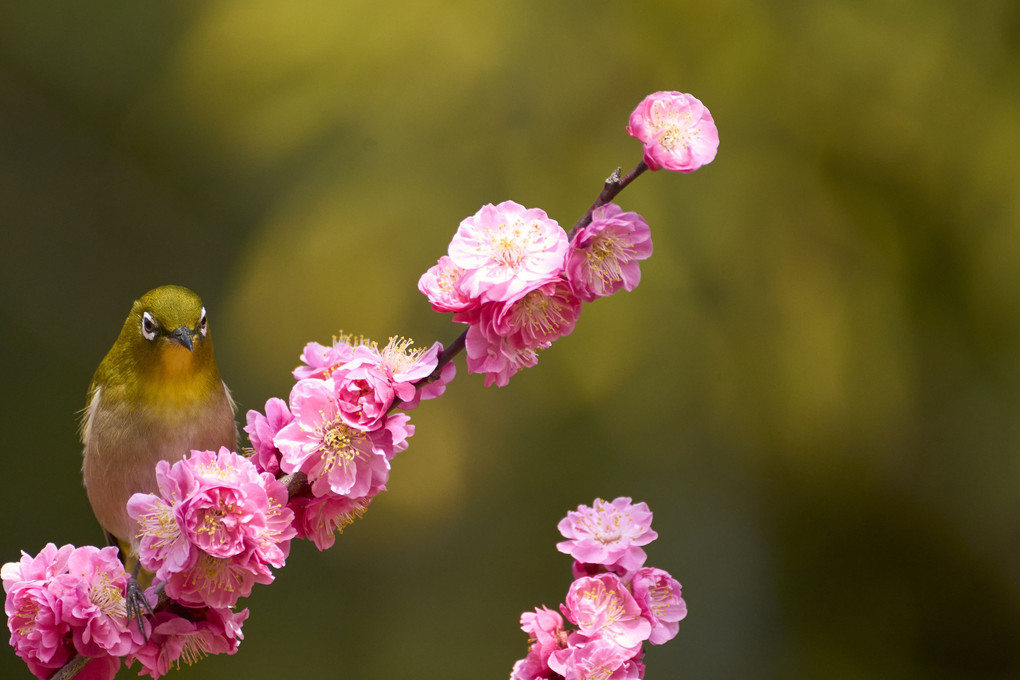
(156, 396)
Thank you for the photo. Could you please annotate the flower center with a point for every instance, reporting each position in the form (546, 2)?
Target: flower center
(399, 355)
(338, 445)
(159, 525)
(195, 648)
(659, 598)
(108, 597)
(540, 314)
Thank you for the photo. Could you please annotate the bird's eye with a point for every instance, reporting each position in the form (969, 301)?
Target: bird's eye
(203, 323)
(148, 326)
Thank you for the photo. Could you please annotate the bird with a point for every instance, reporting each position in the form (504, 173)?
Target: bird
(156, 395)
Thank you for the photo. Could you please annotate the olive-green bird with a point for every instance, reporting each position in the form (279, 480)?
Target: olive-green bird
(156, 396)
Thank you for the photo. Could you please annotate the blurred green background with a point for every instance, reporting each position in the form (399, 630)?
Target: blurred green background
(816, 386)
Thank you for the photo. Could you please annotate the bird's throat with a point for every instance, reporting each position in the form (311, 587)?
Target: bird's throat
(180, 378)
(177, 362)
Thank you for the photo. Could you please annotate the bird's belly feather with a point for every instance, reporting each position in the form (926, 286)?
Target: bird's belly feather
(123, 446)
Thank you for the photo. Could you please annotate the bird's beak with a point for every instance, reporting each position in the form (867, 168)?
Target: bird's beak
(182, 336)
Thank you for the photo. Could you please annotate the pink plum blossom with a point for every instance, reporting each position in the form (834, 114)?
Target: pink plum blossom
(405, 365)
(596, 658)
(262, 428)
(160, 537)
(321, 519)
(604, 255)
(601, 606)
(336, 457)
(374, 380)
(532, 667)
(677, 131)
(177, 638)
(96, 607)
(535, 318)
(39, 633)
(614, 613)
(34, 605)
(363, 394)
(494, 356)
(69, 600)
(608, 533)
(217, 582)
(320, 360)
(51, 561)
(369, 380)
(433, 389)
(441, 285)
(506, 249)
(545, 627)
(216, 528)
(659, 596)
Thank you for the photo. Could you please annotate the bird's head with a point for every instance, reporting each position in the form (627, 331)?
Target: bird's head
(165, 339)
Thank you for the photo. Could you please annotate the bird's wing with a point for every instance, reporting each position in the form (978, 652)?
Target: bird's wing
(89, 412)
(230, 398)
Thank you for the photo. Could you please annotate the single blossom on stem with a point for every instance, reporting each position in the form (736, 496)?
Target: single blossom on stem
(505, 249)
(534, 319)
(596, 658)
(262, 429)
(601, 606)
(441, 285)
(604, 255)
(544, 627)
(659, 596)
(35, 587)
(337, 457)
(677, 131)
(608, 534)
(190, 638)
(96, 607)
(320, 519)
(494, 356)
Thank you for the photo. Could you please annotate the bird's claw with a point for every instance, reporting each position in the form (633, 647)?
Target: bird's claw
(135, 602)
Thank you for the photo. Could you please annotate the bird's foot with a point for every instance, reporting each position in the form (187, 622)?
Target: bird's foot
(135, 602)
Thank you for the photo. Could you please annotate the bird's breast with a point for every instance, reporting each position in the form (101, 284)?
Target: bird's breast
(125, 440)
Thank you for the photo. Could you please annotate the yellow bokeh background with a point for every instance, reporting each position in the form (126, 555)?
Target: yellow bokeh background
(815, 387)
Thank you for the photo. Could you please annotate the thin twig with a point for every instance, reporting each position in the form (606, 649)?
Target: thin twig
(613, 186)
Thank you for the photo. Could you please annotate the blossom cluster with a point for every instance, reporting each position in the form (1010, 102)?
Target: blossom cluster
(339, 428)
(518, 280)
(615, 602)
(515, 278)
(65, 601)
(214, 530)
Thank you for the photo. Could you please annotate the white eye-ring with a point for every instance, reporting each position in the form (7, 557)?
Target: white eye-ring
(203, 323)
(149, 326)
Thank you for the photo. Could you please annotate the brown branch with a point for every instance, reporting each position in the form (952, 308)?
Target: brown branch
(71, 668)
(613, 186)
